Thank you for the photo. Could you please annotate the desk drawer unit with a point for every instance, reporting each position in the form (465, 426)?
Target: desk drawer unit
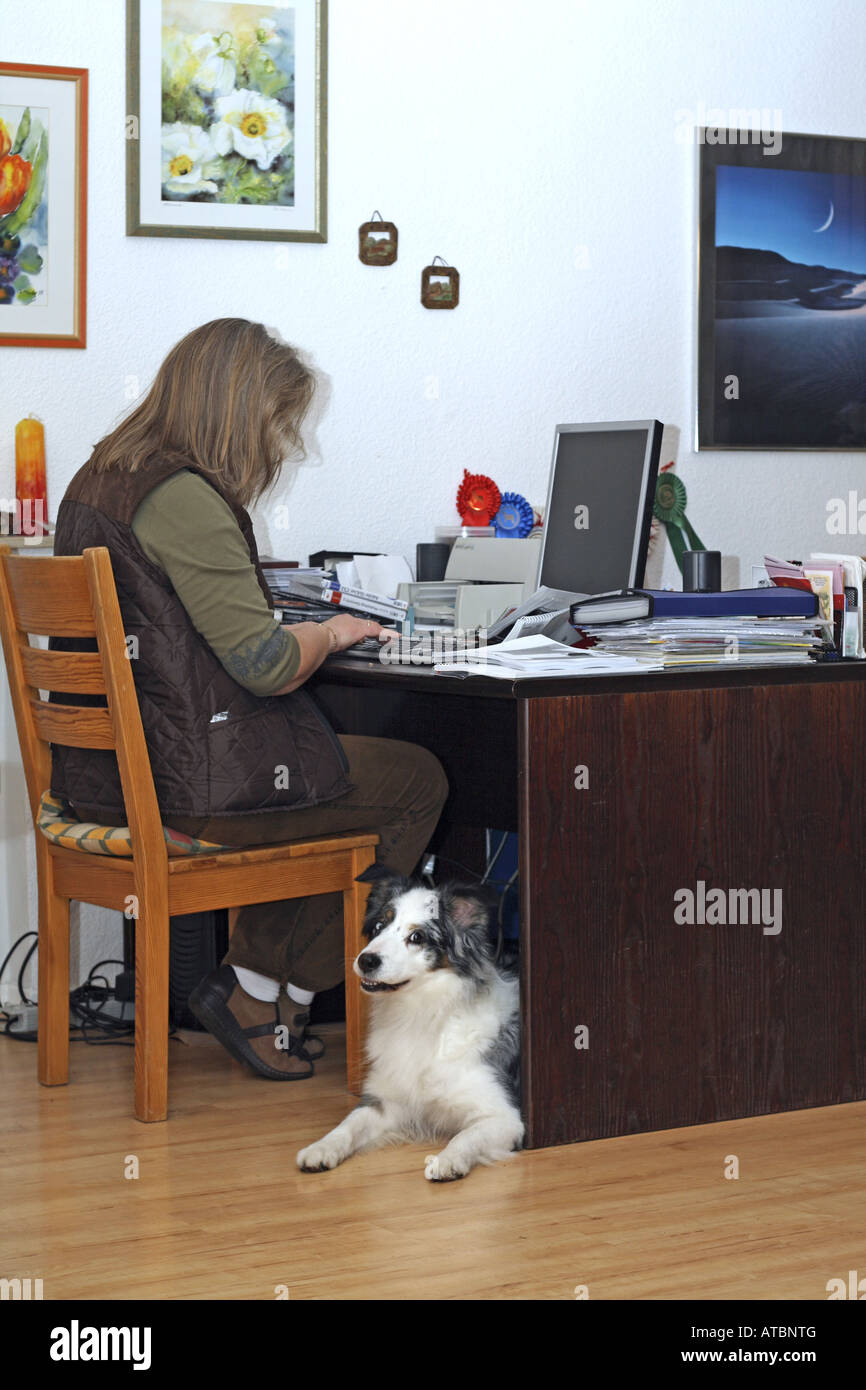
(637, 806)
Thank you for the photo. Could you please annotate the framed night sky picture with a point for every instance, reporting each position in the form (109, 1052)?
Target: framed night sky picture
(782, 292)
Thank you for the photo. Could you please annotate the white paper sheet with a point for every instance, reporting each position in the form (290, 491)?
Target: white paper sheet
(347, 574)
(380, 574)
(536, 656)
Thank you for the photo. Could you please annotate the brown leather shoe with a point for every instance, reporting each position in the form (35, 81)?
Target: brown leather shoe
(248, 1028)
(296, 1017)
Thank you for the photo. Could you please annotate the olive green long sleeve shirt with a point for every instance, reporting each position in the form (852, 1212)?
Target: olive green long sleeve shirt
(186, 528)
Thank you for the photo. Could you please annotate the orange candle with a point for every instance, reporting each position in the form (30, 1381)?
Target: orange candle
(30, 481)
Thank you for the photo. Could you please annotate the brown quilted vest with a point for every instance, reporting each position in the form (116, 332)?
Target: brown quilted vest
(215, 748)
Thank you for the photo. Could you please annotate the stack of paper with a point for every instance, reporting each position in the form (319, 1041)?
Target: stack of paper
(715, 641)
(290, 581)
(854, 582)
(520, 657)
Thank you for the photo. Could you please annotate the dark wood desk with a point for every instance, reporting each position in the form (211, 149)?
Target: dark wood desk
(737, 778)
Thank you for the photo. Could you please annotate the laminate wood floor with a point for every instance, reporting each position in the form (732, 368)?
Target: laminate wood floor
(219, 1209)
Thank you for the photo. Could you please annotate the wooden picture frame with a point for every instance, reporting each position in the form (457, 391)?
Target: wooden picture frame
(227, 119)
(377, 243)
(43, 205)
(440, 287)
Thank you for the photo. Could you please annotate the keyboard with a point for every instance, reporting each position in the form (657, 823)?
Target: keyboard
(412, 651)
(421, 649)
(371, 647)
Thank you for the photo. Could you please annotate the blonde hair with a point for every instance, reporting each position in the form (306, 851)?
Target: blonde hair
(229, 399)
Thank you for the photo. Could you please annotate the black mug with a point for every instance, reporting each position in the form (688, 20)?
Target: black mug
(702, 572)
(431, 560)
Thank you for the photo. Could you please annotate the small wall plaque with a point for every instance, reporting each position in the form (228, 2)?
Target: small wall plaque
(377, 241)
(440, 286)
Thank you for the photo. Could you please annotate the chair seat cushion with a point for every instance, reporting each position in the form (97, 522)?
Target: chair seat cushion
(59, 823)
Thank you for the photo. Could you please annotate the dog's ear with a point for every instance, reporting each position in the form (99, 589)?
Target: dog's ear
(469, 907)
(374, 873)
(468, 912)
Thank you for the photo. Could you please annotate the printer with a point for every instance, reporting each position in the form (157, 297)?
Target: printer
(485, 576)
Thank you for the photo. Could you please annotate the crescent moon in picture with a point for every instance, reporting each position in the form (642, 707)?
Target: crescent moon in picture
(826, 224)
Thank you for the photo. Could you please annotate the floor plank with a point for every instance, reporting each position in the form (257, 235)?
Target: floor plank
(220, 1210)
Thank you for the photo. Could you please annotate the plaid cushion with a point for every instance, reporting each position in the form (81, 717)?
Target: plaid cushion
(58, 821)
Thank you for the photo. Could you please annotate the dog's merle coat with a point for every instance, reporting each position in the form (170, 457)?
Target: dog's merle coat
(443, 1043)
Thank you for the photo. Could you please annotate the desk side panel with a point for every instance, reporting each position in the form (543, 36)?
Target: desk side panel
(759, 787)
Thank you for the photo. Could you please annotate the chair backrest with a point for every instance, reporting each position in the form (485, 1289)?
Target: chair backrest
(75, 596)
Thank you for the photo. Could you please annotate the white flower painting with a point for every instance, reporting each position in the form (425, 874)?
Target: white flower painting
(253, 126)
(187, 153)
(226, 131)
(228, 79)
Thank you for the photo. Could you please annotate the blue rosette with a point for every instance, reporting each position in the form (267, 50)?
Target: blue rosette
(514, 518)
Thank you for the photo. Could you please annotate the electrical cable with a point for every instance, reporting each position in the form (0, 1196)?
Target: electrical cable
(21, 995)
(499, 930)
(491, 863)
(87, 1002)
(13, 948)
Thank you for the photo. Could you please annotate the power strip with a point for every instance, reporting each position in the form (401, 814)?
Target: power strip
(24, 1018)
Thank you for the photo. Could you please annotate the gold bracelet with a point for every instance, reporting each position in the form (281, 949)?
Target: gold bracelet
(332, 637)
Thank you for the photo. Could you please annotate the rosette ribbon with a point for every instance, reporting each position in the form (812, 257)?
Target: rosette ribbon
(515, 516)
(478, 499)
(670, 508)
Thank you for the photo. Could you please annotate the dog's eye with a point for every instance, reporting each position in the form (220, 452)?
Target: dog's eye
(417, 938)
(375, 929)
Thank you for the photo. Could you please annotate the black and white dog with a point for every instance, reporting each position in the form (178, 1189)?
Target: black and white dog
(443, 1039)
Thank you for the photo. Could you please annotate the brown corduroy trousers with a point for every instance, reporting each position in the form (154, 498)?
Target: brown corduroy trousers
(399, 790)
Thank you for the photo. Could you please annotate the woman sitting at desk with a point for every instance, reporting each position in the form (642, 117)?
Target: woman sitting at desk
(240, 753)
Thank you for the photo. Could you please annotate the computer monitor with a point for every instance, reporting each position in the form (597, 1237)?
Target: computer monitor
(599, 506)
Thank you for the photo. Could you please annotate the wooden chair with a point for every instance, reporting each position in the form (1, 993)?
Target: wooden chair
(76, 597)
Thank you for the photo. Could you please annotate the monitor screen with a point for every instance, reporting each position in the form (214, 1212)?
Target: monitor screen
(599, 506)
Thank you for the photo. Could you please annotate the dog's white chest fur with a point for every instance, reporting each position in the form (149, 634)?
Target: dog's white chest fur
(427, 1049)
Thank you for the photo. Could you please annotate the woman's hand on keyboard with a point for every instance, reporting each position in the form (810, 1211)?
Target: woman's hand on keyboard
(350, 630)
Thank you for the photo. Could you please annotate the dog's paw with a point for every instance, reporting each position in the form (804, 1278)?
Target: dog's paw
(445, 1167)
(318, 1158)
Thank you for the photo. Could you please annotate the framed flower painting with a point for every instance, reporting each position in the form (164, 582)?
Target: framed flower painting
(43, 205)
(227, 119)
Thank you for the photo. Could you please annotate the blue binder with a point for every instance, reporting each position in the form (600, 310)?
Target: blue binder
(775, 602)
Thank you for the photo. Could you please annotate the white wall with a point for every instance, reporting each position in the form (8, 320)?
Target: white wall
(532, 146)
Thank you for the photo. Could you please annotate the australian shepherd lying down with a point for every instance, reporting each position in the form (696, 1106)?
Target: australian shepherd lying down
(443, 1038)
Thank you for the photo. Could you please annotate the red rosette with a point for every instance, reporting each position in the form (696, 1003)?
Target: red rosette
(478, 499)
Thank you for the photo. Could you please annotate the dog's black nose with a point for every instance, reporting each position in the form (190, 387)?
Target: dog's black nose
(369, 962)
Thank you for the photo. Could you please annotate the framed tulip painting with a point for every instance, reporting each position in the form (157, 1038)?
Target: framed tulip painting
(43, 205)
(226, 129)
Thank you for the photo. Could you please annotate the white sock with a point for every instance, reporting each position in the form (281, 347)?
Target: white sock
(259, 986)
(300, 996)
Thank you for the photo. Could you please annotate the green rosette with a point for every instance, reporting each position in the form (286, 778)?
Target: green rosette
(670, 508)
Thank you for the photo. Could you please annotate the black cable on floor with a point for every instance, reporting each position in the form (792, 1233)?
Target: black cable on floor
(87, 1001)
